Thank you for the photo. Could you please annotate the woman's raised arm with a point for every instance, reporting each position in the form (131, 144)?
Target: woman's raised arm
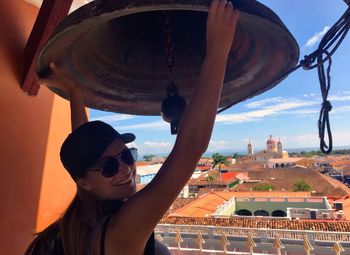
(135, 221)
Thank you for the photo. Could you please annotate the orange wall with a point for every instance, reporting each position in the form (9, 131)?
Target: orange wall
(34, 187)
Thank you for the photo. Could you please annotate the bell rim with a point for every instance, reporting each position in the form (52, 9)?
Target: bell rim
(62, 28)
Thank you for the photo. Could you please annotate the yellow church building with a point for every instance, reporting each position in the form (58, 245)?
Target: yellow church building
(273, 151)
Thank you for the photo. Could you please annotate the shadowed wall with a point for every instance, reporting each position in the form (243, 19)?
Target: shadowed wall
(34, 188)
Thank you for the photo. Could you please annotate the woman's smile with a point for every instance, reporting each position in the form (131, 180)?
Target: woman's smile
(129, 179)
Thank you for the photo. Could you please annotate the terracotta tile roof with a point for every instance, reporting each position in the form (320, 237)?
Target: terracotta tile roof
(271, 194)
(316, 225)
(284, 160)
(208, 203)
(285, 178)
(203, 168)
(205, 205)
(142, 163)
(340, 163)
(344, 168)
(228, 176)
(148, 169)
(205, 160)
(246, 166)
(242, 176)
(202, 180)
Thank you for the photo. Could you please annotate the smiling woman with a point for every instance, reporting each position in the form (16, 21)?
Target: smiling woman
(107, 215)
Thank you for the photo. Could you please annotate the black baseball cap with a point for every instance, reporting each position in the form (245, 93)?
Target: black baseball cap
(86, 144)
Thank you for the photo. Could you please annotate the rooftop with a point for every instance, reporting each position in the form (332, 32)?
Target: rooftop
(283, 160)
(148, 169)
(283, 179)
(340, 163)
(208, 203)
(262, 223)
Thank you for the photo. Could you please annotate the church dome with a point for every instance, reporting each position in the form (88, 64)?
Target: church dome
(271, 140)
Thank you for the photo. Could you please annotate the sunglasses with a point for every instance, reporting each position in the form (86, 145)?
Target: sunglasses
(110, 167)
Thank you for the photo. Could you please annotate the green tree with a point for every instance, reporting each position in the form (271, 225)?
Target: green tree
(211, 179)
(219, 159)
(301, 185)
(148, 157)
(263, 187)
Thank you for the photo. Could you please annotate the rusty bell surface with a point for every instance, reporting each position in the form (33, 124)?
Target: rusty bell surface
(115, 50)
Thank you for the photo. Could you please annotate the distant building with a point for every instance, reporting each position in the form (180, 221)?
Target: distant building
(185, 192)
(290, 205)
(145, 173)
(204, 165)
(215, 180)
(291, 162)
(157, 160)
(273, 151)
(284, 163)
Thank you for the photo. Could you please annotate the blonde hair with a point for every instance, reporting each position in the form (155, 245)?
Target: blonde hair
(75, 228)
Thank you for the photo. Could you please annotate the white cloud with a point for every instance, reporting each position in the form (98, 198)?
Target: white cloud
(339, 98)
(218, 145)
(114, 117)
(156, 125)
(268, 111)
(279, 106)
(301, 141)
(308, 140)
(340, 138)
(271, 107)
(341, 109)
(264, 102)
(312, 96)
(149, 147)
(317, 37)
(302, 112)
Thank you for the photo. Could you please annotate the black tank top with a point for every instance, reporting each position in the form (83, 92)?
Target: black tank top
(109, 210)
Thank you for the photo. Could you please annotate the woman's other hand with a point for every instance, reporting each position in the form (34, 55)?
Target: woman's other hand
(60, 79)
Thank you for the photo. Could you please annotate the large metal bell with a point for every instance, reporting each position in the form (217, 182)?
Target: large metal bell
(115, 50)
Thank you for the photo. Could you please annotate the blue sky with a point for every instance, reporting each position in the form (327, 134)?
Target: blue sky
(289, 111)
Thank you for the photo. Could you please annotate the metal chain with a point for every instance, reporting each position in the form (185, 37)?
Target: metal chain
(169, 44)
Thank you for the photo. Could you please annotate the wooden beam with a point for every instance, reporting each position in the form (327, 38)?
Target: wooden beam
(50, 14)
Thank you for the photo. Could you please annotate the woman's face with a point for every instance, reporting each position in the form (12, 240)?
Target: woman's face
(120, 186)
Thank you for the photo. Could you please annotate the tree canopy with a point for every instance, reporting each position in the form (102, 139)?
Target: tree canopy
(308, 154)
(301, 185)
(219, 159)
(263, 187)
(148, 157)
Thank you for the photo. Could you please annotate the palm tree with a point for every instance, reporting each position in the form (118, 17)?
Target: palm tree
(219, 159)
